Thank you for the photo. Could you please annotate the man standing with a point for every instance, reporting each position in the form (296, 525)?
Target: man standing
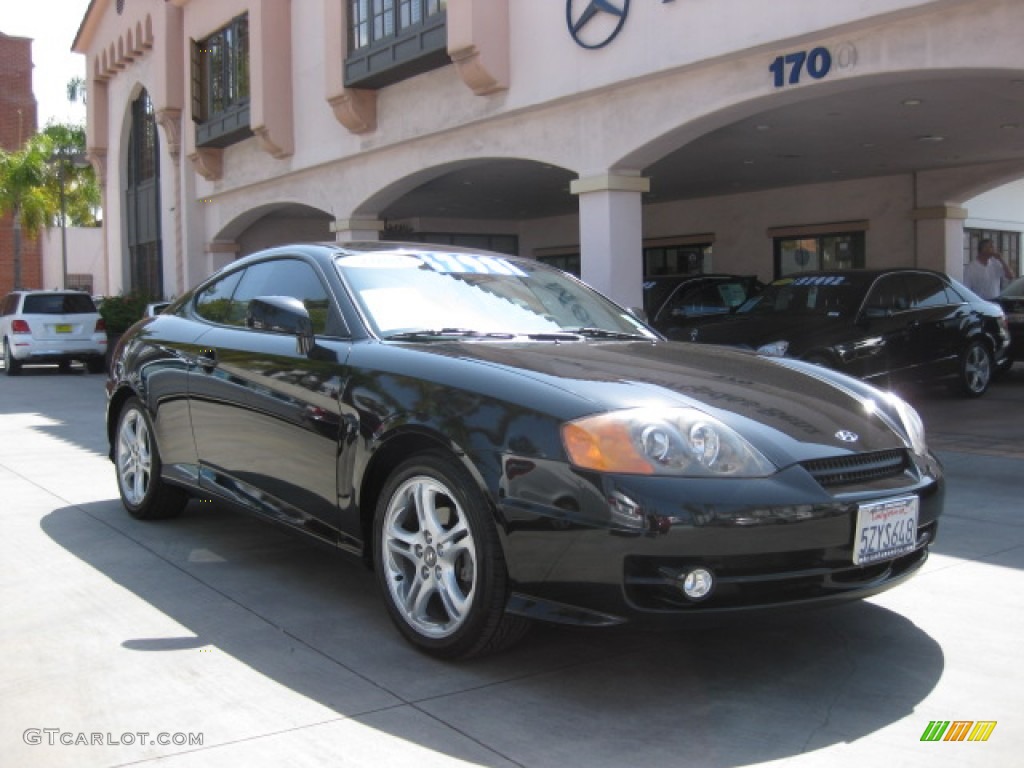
(985, 274)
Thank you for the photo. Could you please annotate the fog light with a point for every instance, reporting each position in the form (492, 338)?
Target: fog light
(697, 584)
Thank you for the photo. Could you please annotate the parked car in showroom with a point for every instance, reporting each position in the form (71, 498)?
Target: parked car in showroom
(51, 327)
(883, 326)
(503, 444)
(1012, 302)
(674, 303)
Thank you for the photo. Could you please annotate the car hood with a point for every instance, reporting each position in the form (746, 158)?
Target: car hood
(779, 405)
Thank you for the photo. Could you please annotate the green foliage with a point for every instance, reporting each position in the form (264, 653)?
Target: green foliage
(122, 312)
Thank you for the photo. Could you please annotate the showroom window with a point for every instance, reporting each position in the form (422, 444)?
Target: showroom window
(683, 255)
(1007, 243)
(220, 85)
(807, 249)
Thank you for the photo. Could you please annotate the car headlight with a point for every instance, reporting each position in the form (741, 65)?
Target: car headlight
(911, 421)
(775, 349)
(681, 442)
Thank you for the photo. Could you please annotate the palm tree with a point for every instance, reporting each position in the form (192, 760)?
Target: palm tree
(45, 184)
(76, 90)
(68, 167)
(23, 192)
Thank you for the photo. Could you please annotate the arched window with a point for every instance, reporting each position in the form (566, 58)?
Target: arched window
(142, 202)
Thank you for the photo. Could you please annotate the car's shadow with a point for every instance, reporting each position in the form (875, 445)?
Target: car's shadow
(313, 621)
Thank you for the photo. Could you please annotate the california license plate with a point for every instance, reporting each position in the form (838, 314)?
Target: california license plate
(885, 529)
(63, 328)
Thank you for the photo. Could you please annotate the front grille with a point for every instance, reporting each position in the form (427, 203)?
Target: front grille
(857, 468)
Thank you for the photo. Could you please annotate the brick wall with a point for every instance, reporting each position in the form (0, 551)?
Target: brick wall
(17, 123)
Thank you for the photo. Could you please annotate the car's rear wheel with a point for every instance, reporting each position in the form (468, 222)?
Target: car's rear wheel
(439, 561)
(975, 369)
(143, 492)
(11, 366)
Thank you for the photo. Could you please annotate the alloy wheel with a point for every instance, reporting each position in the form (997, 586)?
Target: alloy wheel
(134, 457)
(429, 557)
(977, 369)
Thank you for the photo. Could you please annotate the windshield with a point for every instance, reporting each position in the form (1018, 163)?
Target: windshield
(472, 294)
(822, 296)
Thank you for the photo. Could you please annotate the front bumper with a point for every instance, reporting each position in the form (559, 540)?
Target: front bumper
(769, 543)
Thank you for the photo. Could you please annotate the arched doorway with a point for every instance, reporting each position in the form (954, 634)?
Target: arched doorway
(142, 202)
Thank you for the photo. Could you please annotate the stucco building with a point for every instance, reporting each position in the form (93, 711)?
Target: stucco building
(621, 138)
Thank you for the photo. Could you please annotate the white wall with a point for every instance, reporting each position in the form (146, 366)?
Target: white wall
(85, 256)
(1000, 208)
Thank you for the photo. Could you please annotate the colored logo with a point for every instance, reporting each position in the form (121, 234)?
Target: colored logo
(959, 730)
(598, 23)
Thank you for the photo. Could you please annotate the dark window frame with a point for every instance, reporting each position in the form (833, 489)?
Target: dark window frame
(391, 40)
(221, 85)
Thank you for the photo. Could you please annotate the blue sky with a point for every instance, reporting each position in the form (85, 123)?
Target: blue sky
(52, 25)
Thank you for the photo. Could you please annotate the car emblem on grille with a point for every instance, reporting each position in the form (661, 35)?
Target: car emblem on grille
(847, 436)
(577, 22)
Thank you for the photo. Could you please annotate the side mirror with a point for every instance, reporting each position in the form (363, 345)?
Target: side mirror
(282, 314)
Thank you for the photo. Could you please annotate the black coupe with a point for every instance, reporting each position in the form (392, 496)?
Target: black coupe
(503, 444)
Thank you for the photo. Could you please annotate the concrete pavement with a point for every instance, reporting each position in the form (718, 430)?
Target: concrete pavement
(237, 644)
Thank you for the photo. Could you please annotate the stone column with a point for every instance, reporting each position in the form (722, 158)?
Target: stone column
(611, 234)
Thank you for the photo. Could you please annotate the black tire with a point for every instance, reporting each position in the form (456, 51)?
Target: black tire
(11, 366)
(95, 365)
(439, 562)
(975, 369)
(137, 462)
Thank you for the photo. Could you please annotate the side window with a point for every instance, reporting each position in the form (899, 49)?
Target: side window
(927, 291)
(705, 299)
(887, 296)
(285, 277)
(214, 303)
(8, 306)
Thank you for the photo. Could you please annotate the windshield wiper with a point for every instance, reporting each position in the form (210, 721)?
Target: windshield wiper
(447, 333)
(603, 333)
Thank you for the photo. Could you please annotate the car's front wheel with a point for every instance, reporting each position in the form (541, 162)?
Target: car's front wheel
(143, 492)
(975, 369)
(439, 561)
(11, 366)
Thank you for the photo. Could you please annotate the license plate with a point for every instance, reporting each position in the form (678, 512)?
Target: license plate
(885, 529)
(63, 328)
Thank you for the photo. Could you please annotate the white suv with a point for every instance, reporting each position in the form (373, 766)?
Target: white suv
(52, 327)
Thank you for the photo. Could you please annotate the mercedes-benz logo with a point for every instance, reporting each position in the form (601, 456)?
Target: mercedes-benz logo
(847, 436)
(598, 23)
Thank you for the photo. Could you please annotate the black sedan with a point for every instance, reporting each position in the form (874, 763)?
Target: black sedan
(502, 444)
(884, 326)
(1012, 302)
(674, 303)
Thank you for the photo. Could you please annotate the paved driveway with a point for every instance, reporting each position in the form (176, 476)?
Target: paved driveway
(237, 644)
